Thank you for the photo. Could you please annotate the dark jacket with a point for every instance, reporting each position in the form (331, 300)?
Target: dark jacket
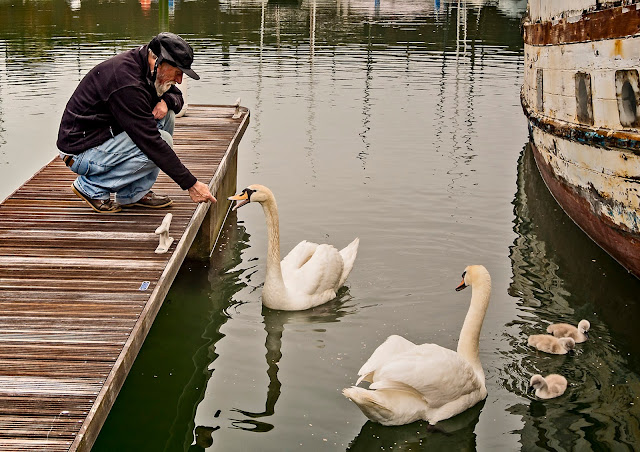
(118, 96)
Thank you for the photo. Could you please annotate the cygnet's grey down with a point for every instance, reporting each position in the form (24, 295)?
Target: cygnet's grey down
(553, 385)
(579, 334)
(551, 344)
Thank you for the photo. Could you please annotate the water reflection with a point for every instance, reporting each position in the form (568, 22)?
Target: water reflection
(203, 438)
(74, 5)
(224, 282)
(145, 6)
(50, 46)
(396, 23)
(169, 377)
(455, 434)
(385, 70)
(559, 275)
(366, 103)
(274, 325)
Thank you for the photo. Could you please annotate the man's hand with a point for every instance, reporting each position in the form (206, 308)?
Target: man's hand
(160, 110)
(199, 192)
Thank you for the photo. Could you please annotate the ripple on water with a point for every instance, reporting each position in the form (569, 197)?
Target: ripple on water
(599, 405)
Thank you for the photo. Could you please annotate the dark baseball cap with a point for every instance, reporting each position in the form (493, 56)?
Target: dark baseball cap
(174, 50)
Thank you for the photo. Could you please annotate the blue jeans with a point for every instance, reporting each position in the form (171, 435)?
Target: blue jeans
(119, 166)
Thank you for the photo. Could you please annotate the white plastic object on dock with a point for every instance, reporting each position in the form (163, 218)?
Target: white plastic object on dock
(163, 232)
(236, 115)
(183, 89)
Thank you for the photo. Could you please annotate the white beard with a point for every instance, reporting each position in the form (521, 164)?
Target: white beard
(163, 88)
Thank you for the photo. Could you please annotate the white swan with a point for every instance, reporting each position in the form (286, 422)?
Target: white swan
(412, 382)
(310, 274)
(551, 344)
(579, 334)
(553, 385)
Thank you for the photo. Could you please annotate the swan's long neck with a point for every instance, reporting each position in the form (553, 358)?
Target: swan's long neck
(468, 344)
(274, 272)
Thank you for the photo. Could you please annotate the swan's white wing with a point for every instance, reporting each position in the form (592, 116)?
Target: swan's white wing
(348, 254)
(439, 374)
(298, 256)
(319, 275)
(394, 345)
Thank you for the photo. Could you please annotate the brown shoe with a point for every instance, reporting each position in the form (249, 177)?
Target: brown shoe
(152, 200)
(99, 205)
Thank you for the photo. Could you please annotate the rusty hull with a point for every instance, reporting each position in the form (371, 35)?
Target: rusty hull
(578, 203)
(610, 23)
(588, 159)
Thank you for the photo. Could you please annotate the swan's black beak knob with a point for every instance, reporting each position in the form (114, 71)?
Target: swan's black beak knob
(461, 286)
(241, 198)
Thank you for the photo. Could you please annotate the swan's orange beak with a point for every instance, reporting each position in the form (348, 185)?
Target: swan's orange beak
(241, 199)
(461, 286)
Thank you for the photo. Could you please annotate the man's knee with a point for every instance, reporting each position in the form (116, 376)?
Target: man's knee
(166, 136)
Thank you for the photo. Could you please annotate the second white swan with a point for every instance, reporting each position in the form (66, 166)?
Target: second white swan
(428, 382)
(310, 274)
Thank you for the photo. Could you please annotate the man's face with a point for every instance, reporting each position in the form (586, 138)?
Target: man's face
(166, 76)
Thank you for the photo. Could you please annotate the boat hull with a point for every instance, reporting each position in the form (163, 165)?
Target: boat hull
(581, 96)
(594, 213)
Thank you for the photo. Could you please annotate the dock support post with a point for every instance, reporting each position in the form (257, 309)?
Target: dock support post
(213, 221)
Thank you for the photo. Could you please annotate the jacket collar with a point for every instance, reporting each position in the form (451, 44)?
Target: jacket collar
(145, 70)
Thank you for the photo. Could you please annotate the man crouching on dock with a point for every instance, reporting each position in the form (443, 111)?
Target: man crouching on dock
(116, 130)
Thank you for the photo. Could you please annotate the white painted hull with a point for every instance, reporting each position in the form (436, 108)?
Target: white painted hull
(576, 95)
(600, 59)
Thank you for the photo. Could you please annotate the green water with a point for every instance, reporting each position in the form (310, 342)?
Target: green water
(398, 123)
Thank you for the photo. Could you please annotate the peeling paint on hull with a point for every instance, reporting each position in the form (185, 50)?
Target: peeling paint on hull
(593, 136)
(580, 204)
(581, 96)
(610, 23)
(600, 176)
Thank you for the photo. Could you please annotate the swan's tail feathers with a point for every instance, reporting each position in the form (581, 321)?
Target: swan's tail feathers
(397, 386)
(348, 254)
(369, 403)
(393, 403)
(365, 377)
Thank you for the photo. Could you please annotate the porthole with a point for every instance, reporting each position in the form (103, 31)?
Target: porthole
(628, 97)
(584, 108)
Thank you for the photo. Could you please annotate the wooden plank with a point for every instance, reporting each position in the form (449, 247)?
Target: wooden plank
(21, 445)
(44, 352)
(74, 305)
(45, 404)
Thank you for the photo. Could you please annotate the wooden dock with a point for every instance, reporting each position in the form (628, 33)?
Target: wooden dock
(74, 306)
